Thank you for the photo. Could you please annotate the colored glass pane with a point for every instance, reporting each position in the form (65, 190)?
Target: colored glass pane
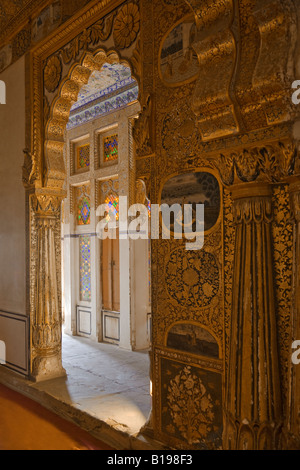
(84, 211)
(111, 148)
(83, 156)
(149, 207)
(112, 202)
(85, 267)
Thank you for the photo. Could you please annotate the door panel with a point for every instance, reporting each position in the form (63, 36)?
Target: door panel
(111, 274)
(115, 275)
(106, 275)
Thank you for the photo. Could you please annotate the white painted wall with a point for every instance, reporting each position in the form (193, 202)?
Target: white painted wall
(13, 322)
(12, 193)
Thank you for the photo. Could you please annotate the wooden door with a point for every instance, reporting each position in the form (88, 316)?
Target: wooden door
(111, 274)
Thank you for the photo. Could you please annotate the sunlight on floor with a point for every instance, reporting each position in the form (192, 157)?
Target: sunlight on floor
(104, 381)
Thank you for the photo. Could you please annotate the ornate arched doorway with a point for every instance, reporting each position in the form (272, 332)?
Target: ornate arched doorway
(60, 68)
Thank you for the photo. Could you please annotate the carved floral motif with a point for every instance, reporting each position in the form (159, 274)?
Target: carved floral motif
(190, 406)
(99, 31)
(193, 278)
(270, 162)
(127, 26)
(52, 73)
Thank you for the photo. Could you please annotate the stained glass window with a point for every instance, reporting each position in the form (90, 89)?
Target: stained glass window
(110, 148)
(113, 206)
(85, 267)
(149, 207)
(83, 156)
(83, 205)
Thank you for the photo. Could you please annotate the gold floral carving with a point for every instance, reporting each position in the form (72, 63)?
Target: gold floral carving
(282, 231)
(229, 243)
(271, 162)
(29, 169)
(191, 406)
(52, 73)
(47, 204)
(127, 25)
(21, 43)
(193, 279)
(91, 36)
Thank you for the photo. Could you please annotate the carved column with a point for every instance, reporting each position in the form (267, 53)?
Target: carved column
(253, 413)
(45, 303)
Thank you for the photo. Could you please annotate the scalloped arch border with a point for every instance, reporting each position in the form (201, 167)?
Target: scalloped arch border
(68, 90)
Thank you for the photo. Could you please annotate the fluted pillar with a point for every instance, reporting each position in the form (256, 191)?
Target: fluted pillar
(253, 414)
(45, 305)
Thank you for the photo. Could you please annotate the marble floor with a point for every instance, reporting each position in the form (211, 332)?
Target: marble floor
(105, 382)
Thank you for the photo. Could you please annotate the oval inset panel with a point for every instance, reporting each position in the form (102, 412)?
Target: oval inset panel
(194, 188)
(178, 60)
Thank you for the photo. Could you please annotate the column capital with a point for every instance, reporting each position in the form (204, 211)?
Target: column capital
(252, 202)
(251, 190)
(47, 204)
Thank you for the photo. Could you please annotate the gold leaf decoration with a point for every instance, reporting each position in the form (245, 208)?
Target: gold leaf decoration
(127, 26)
(52, 73)
(191, 406)
(99, 31)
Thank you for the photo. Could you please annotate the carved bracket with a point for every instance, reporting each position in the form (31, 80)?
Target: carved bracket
(271, 163)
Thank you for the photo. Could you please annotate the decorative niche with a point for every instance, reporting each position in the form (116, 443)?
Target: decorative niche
(80, 155)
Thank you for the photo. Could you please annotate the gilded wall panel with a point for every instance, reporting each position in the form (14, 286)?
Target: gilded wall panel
(283, 270)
